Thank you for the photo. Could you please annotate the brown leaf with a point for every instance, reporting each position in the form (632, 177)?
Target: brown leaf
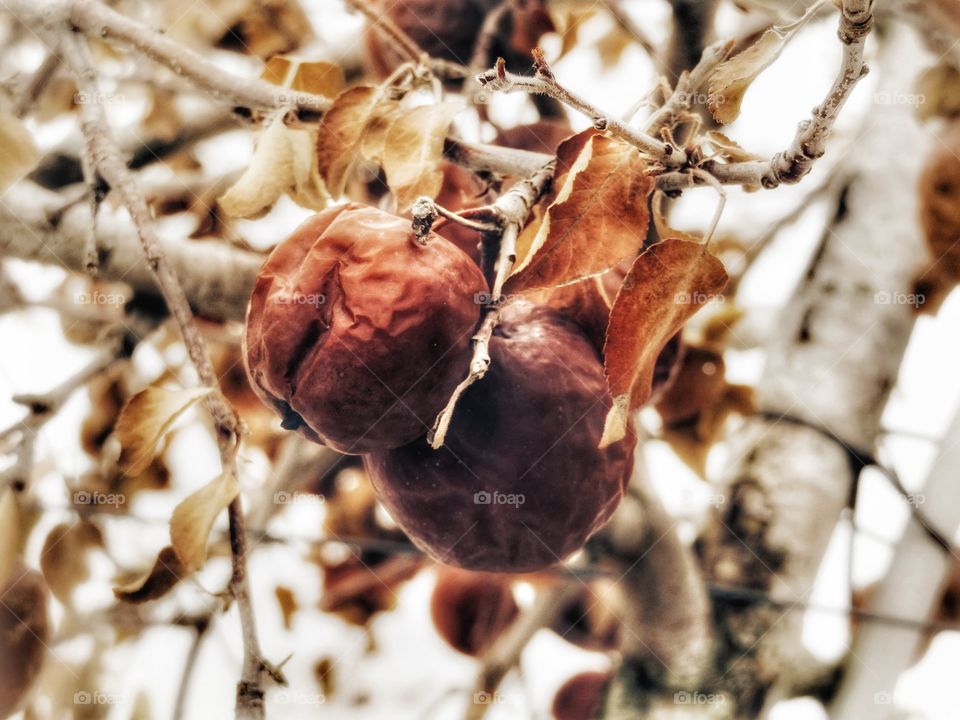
(146, 418)
(167, 571)
(732, 78)
(9, 534)
(288, 604)
(18, 153)
(666, 285)
(412, 150)
(193, 519)
(341, 133)
(63, 560)
(697, 402)
(599, 217)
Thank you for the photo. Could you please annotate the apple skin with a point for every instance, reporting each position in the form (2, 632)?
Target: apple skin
(471, 609)
(580, 697)
(520, 483)
(357, 333)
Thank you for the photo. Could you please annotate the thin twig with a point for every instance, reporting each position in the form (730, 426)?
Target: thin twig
(809, 144)
(405, 46)
(200, 631)
(112, 167)
(99, 21)
(544, 83)
(631, 28)
(36, 84)
(510, 212)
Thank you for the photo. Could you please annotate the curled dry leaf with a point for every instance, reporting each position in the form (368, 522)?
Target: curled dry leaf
(193, 519)
(666, 285)
(146, 418)
(342, 131)
(63, 560)
(283, 162)
(18, 153)
(9, 533)
(167, 571)
(598, 218)
(730, 81)
(413, 146)
(729, 149)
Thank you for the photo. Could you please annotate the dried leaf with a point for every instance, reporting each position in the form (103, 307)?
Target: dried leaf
(288, 604)
(666, 285)
(277, 70)
(18, 153)
(729, 149)
(599, 217)
(167, 571)
(319, 78)
(412, 150)
(63, 560)
(341, 133)
(193, 519)
(282, 162)
(733, 77)
(697, 402)
(308, 189)
(146, 418)
(9, 534)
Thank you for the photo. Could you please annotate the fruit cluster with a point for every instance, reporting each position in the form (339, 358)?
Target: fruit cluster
(357, 334)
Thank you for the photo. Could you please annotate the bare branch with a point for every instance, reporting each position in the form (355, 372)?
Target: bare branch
(544, 83)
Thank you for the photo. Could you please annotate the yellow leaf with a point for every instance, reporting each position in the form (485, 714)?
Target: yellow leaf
(18, 153)
(268, 176)
(277, 70)
(319, 78)
(145, 419)
(732, 78)
(194, 517)
(412, 149)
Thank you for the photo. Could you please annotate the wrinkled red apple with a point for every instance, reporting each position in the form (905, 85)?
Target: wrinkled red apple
(357, 333)
(520, 483)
